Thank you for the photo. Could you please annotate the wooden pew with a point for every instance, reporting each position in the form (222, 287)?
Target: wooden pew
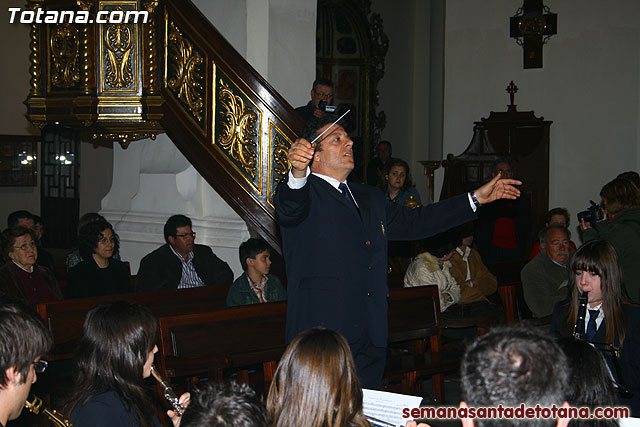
(414, 320)
(510, 288)
(236, 337)
(65, 318)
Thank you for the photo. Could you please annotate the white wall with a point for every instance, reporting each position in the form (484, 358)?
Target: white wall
(588, 87)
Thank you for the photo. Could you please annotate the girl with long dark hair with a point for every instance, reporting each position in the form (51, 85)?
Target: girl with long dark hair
(114, 356)
(611, 324)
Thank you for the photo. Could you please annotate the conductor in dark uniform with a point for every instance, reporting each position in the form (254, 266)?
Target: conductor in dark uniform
(335, 242)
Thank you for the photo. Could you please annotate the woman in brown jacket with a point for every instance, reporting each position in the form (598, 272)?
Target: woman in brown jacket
(20, 277)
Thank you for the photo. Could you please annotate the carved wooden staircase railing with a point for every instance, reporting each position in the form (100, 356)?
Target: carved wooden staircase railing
(175, 73)
(224, 117)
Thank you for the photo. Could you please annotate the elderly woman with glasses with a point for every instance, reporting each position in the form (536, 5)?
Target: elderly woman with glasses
(99, 274)
(20, 277)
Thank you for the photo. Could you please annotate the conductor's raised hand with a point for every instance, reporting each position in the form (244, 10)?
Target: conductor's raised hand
(498, 188)
(300, 155)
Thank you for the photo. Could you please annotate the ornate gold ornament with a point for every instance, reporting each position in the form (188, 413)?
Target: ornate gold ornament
(64, 56)
(150, 50)
(280, 159)
(124, 139)
(119, 42)
(185, 69)
(84, 4)
(238, 128)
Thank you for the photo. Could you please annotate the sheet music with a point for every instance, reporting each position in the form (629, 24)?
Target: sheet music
(388, 407)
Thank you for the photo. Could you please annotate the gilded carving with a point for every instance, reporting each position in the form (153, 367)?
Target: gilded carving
(186, 73)
(119, 42)
(237, 129)
(65, 43)
(85, 4)
(150, 53)
(280, 159)
(124, 139)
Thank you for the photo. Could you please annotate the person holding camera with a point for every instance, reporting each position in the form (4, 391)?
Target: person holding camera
(620, 226)
(321, 98)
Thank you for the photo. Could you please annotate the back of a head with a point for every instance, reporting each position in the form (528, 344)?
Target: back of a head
(24, 338)
(316, 384)
(225, 405)
(514, 365)
(620, 194)
(443, 243)
(589, 383)
(15, 217)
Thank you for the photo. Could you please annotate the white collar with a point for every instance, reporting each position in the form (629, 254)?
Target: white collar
(334, 182)
(20, 267)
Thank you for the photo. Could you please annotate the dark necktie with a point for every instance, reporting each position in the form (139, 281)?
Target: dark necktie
(592, 327)
(347, 194)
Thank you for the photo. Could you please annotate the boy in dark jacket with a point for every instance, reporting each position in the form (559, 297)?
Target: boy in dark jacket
(255, 285)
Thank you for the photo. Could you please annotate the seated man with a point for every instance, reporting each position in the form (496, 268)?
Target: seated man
(255, 285)
(432, 268)
(545, 278)
(322, 90)
(225, 405)
(513, 365)
(554, 216)
(180, 263)
(25, 339)
(475, 280)
(33, 222)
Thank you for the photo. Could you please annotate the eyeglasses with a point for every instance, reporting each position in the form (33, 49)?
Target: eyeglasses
(185, 235)
(106, 240)
(24, 246)
(40, 366)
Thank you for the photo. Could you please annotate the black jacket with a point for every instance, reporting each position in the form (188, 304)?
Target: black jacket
(161, 269)
(88, 280)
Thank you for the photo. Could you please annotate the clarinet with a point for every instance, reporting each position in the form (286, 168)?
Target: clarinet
(579, 331)
(169, 394)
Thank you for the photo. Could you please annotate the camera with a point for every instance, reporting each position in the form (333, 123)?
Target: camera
(322, 106)
(592, 214)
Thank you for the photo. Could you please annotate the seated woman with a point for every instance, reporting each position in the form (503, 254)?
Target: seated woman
(98, 274)
(74, 258)
(113, 357)
(316, 384)
(397, 183)
(20, 276)
(433, 268)
(610, 323)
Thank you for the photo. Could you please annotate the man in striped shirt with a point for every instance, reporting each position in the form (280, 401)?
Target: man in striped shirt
(180, 263)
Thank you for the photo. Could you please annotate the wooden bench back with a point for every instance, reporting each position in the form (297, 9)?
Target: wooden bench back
(65, 318)
(414, 313)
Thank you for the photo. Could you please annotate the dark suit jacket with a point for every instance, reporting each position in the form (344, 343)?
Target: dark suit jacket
(306, 111)
(161, 269)
(88, 280)
(336, 258)
(629, 363)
